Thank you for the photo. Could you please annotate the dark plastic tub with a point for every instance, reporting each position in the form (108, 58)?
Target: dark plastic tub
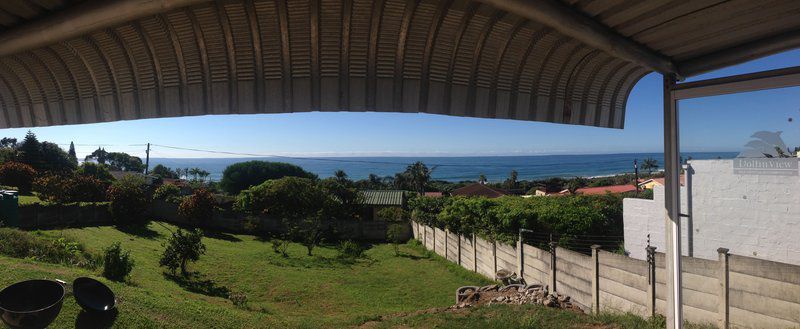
(31, 304)
(93, 296)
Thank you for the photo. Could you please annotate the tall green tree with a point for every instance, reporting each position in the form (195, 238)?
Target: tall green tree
(72, 155)
(30, 151)
(164, 172)
(242, 175)
(54, 159)
(98, 155)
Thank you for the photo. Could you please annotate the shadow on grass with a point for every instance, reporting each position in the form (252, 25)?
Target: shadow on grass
(220, 236)
(96, 320)
(197, 283)
(413, 257)
(139, 230)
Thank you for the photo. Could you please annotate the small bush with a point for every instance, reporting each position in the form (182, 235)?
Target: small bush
(21, 244)
(117, 263)
(393, 214)
(199, 207)
(394, 234)
(238, 299)
(279, 246)
(350, 250)
(17, 174)
(182, 248)
(127, 199)
(167, 192)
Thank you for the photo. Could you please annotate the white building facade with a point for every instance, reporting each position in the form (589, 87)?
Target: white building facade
(754, 215)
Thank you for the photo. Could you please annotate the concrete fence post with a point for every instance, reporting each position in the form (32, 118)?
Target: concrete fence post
(595, 279)
(446, 239)
(425, 236)
(494, 258)
(434, 239)
(724, 282)
(474, 253)
(459, 249)
(651, 280)
(552, 286)
(520, 256)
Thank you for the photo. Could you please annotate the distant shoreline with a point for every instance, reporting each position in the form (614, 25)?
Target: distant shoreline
(454, 169)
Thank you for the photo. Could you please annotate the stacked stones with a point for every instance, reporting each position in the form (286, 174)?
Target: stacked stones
(516, 294)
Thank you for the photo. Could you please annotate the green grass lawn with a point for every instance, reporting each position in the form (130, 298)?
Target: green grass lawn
(298, 291)
(28, 199)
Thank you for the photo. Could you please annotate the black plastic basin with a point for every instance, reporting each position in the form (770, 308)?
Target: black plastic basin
(93, 295)
(31, 304)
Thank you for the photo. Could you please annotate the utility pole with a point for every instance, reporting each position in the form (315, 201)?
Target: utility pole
(147, 160)
(635, 175)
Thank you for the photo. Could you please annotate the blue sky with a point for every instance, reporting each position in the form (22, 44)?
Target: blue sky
(722, 123)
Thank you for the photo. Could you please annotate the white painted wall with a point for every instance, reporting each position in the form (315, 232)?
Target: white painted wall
(752, 215)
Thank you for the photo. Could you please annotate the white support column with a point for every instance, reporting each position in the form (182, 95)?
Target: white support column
(672, 167)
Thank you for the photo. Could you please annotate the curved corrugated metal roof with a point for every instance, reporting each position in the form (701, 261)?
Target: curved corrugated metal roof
(453, 57)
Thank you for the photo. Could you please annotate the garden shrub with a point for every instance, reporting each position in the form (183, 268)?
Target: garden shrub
(242, 175)
(55, 188)
(199, 207)
(350, 250)
(18, 175)
(96, 170)
(238, 299)
(568, 218)
(394, 234)
(62, 250)
(181, 248)
(279, 246)
(85, 189)
(127, 200)
(392, 214)
(167, 192)
(117, 263)
(49, 188)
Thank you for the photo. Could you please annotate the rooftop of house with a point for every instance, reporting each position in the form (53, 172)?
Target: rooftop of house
(606, 189)
(478, 189)
(384, 197)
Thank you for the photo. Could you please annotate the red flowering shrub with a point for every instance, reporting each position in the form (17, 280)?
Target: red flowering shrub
(50, 188)
(199, 207)
(18, 175)
(76, 188)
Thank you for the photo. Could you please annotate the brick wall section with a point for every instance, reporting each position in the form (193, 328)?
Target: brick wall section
(731, 291)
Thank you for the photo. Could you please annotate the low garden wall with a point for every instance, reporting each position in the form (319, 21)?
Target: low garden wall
(43, 216)
(731, 292)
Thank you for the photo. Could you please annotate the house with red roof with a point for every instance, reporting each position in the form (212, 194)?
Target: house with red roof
(606, 189)
(478, 189)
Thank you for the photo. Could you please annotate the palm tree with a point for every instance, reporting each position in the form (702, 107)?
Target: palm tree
(418, 175)
(511, 182)
(650, 164)
(482, 179)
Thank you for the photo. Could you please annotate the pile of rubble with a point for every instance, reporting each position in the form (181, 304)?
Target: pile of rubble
(518, 294)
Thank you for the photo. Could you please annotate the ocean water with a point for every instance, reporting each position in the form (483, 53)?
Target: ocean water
(495, 168)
